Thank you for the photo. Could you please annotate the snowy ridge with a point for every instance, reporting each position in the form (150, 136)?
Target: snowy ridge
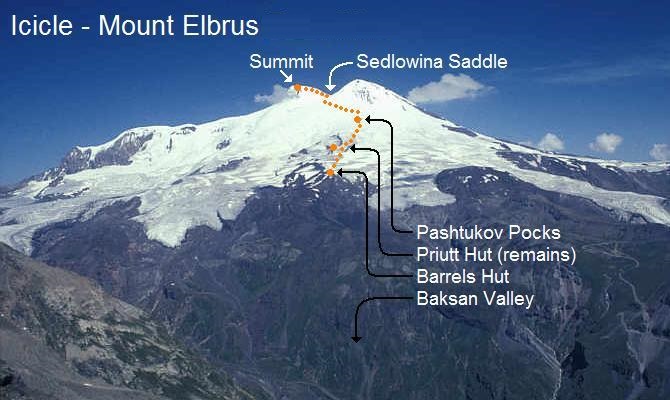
(188, 175)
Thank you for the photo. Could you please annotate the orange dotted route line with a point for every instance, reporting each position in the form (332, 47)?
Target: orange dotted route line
(336, 149)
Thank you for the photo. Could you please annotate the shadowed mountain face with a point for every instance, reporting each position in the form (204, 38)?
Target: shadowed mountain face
(62, 337)
(273, 293)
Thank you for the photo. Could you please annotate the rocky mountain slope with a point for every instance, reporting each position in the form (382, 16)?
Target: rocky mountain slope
(61, 337)
(279, 302)
(231, 235)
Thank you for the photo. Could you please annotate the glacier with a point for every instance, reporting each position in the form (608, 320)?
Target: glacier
(191, 175)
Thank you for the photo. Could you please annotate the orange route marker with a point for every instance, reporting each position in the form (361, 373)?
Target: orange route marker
(346, 144)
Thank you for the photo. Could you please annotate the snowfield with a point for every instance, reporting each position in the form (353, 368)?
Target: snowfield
(189, 175)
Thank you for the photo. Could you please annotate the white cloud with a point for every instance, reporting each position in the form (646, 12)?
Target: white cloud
(660, 152)
(596, 74)
(449, 87)
(550, 142)
(581, 72)
(278, 95)
(606, 143)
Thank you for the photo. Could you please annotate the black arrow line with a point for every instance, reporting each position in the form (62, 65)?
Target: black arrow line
(353, 148)
(357, 338)
(368, 119)
(367, 229)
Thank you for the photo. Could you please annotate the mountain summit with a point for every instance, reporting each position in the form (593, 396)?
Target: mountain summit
(190, 175)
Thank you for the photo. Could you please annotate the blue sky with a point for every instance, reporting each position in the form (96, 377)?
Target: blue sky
(576, 72)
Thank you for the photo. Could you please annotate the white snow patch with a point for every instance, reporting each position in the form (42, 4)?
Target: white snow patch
(489, 178)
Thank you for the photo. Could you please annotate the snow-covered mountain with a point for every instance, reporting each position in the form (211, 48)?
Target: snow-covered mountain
(192, 175)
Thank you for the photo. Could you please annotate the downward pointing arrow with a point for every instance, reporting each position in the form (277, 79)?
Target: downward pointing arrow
(287, 78)
(356, 338)
(330, 85)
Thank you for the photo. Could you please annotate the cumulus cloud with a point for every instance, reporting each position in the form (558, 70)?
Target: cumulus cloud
(660, 152)
(550, 142)
(449, 87)
(606, 143)
(278, 95)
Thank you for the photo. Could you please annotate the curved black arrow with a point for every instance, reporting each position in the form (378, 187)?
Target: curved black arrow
(357, 338)
(368, 119)
(367, 229)
(353, 148)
